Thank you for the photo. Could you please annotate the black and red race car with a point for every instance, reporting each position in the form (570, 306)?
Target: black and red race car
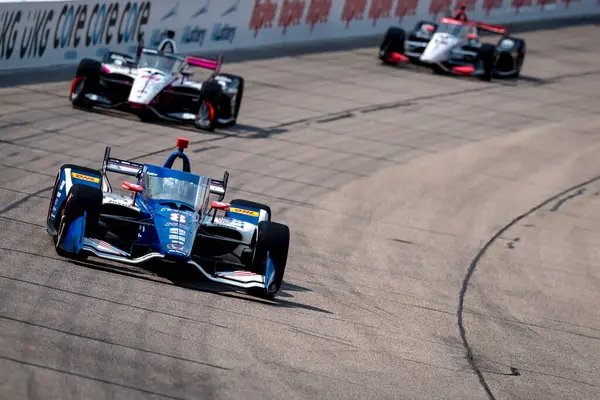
(454, 46)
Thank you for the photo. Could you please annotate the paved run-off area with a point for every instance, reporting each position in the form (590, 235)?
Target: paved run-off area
(392, 182)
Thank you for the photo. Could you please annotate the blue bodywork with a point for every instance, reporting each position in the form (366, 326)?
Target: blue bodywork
(175, 221)
(172, 222)
(166, 214)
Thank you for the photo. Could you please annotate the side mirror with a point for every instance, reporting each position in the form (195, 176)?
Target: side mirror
(132, 187)
(217, 205)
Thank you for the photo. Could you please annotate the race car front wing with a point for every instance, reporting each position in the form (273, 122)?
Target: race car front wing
(237, 278)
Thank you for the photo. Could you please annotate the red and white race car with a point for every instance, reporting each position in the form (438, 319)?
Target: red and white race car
(454, 46)
(158, 85)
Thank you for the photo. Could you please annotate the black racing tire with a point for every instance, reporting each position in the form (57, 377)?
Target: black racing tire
(89, 68)
(392, 42)
(88, 75)
(273, 238)
(488, 56)
(49, 228)
(210, 94)
(78, 168)
(81, 199)
(252, 204)
(506, 54)
(147, 115)
(240, 95)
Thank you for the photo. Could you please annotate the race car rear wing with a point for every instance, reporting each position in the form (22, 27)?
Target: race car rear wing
(115, 165)
(207, 63)
(491, 28)
(219, 187)
(499, 29)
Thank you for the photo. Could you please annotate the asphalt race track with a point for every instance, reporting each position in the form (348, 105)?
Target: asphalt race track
(445, 239)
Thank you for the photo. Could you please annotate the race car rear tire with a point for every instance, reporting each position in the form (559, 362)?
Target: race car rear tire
(488, 55)
(392, 42)
(506, 54)
(274, 239)
(252, 204)
(81, 199)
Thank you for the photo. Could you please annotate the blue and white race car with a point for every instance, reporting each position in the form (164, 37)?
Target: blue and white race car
(170, 221)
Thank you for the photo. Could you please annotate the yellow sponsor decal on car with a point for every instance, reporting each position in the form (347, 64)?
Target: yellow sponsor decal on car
(85, 177)
(242, 211)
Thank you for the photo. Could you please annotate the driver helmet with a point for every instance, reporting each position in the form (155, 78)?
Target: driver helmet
(170, 187)
(427, 28)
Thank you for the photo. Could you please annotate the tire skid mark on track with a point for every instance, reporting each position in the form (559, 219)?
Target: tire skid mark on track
(75, 293)
(92, 378)
(278, 127)
(112, 343)
(25, 146)
(25, 193)
(24, 200)
(146, 309)
(529, 325)
(26, 170)
(471, 270)
(18, 221)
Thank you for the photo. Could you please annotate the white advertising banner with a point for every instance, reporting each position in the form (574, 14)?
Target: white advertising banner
(46, 33)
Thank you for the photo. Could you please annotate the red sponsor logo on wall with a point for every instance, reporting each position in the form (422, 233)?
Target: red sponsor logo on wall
(353, 10)
(518, 4)
(291, 13)
(489, 5)
(544, 3)
(407, 7)
(568, 2)
(439, 7)
(263, 15)
(318, 12)
(380, 9)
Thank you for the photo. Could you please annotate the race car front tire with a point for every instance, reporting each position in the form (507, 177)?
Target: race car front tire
(392, 42)
(86, 78)
(82, 200)
(272, 245)
(238, 100)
